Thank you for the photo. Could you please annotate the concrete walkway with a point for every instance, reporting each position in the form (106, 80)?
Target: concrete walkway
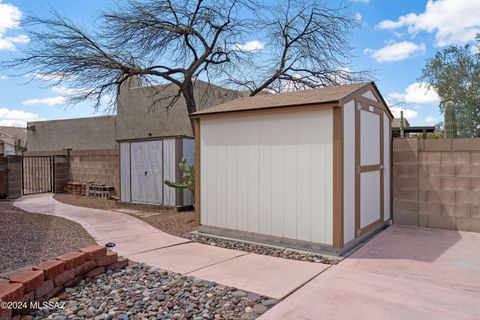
(138, 241)
(402, 273)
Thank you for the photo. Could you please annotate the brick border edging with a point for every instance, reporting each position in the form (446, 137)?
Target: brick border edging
(49, 279)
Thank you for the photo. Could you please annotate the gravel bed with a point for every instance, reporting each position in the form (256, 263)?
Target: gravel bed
(164, 219)
(88, 202)
(28, 238)
(261, 249)
(143, 292)
(173, 222)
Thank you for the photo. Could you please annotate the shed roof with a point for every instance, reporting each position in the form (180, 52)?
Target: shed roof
(297, 98)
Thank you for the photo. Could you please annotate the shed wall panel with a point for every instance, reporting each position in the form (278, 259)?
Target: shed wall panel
(265, 178)
(189, 154)
(349, 171)
(169, 167)
(232, 164)
(276, 175)
(125, 172)
(370, 198)
(369, 138)
(221, 181)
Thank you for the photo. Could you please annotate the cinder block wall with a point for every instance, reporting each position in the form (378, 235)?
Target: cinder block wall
(101, 166)
(436, 183)
(14, 164)
(61, 174)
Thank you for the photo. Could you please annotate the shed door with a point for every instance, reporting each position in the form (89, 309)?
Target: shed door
(146, 172)
(370, 168)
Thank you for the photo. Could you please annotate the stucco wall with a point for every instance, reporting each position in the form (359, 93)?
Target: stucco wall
(436, 183)
(94, 133)
(139, 116)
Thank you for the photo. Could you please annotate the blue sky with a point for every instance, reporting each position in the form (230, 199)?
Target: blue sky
(395, 38)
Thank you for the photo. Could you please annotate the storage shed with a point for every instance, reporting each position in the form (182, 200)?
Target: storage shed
(146, 163)
(308, 169)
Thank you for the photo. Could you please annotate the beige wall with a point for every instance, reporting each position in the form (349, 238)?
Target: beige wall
(138, 117)
(94, 133)
(140, 114)
(436, 183)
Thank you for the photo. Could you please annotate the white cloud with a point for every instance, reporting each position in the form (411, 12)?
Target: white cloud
(416, 93)
(17, 118)
(409, 114)
(249, 46)
(51, 101)
(396, 51)
(55, 76)
(452, 21)
(18, 39)
(69, 91)
(2, 77)
(431, 119)
(358, 17)
(10, 17)
(362, 1)
(9, 43)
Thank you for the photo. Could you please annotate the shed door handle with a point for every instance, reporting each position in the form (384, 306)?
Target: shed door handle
(146, 172)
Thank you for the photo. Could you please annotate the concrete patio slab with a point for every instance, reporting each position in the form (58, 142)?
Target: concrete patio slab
(187, 258)
(270, 276)
(108, 232)
(403, 273)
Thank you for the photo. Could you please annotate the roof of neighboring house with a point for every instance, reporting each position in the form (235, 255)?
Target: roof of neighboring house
(8, 134)
(297, 98)
(416, 129)
(396, 123)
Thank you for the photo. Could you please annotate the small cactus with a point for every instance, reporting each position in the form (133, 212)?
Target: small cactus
(450, 120)
(402, 125)
(188, 179)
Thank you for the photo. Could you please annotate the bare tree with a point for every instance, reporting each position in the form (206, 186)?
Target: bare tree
(306, 47)
(180, 41)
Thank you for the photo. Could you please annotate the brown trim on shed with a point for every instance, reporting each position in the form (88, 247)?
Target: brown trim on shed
(357, 95)
(337, 177)
(357, 171)
(156, 138)
(271, 239)
(373, 167)
(272, 110)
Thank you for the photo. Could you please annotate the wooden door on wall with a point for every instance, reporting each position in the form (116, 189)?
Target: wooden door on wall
(370, 168)
(146, 172)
